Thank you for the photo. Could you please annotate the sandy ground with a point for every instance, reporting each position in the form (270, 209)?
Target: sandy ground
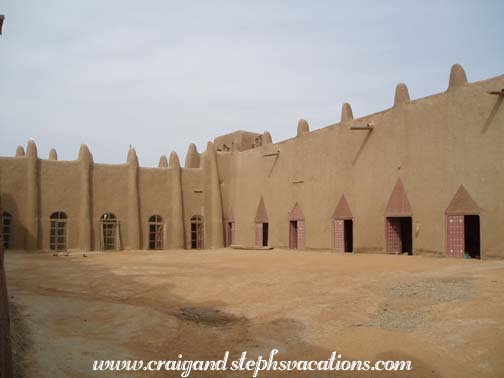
(445, 315)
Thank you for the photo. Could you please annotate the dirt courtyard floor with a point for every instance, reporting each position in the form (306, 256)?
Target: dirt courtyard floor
(445, 315)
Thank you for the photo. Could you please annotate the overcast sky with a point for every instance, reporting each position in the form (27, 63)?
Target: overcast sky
(161, 74)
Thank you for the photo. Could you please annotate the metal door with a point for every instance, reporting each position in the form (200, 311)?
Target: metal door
(339, 235)
(259, 234)
(393, 242)
(455, 245)
(300, 243)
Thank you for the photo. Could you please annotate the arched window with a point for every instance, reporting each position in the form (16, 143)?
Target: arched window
(197, 232)
(6, 229)
(108, 216)
(156, 232)
(57, 231)
(109, 227)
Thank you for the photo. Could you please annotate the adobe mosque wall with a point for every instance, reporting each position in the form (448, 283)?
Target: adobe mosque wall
(32, 189)
(434, 145)
(424, 151)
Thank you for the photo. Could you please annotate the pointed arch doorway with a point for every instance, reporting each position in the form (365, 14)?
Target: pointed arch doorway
(296, 228)
(261, 225)
(398, 222)
(230, 228)
(343, 226)
(462, 217)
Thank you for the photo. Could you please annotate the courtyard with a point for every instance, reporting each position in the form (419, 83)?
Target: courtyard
(444, 315)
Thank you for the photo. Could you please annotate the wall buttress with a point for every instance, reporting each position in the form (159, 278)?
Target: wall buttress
(32, 198)
(85, 218)
(133, 240)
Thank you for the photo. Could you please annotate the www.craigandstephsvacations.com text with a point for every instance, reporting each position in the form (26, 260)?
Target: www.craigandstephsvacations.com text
(253, 365)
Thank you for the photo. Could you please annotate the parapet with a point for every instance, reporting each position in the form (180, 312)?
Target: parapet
(458, 77)
(174, 160)
(163, 162)
(238, 141)
(346, 112)
(401, 94)
(84, 154)
(193, 157)
(20, 152)
(53, 155)
(266, 139)
(31, 150)
(303, 127)
(132, 157)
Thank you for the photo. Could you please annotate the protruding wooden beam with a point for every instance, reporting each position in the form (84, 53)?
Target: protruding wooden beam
(272, 154)
(498, 93)
(368, 127)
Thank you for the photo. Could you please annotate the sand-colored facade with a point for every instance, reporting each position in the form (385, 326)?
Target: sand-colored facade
(416, 176)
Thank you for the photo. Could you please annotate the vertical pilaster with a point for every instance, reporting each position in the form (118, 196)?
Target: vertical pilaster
(213, 201)
(192, 157)
(32, 198)
(177, 234)
(133, 220)
(85, 218)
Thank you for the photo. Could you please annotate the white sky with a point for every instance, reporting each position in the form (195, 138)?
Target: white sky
(161, 74)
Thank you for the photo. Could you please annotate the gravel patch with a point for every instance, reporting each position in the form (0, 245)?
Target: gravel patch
(415, 296)
(397, 320)
(435, 289)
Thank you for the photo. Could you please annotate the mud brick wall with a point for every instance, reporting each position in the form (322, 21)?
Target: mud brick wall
(5, 345)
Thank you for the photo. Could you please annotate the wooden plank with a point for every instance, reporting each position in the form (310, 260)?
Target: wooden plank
(368, 127)
(272, 154)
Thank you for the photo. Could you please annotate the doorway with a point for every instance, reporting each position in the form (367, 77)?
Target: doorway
(6, 229)
(399, 235)
(156, 232)
(348, 235)
(293, 229)
(57, 231)
(265, 230)
(196, 232)
(262, 234)
(230, 233)
(472, 235)
(109, 232)
(343, 235)
(293, 234)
